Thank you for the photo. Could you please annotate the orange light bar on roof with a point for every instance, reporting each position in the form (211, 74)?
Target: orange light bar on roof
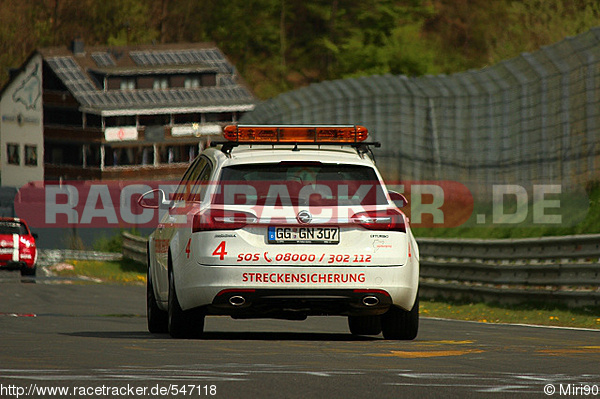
(296, 134)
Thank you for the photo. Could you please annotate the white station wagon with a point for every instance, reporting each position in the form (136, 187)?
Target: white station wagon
(283, 222)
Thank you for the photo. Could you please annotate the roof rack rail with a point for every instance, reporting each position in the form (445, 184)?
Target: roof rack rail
(361, 147)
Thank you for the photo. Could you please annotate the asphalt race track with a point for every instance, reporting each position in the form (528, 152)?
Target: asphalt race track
(92, 339)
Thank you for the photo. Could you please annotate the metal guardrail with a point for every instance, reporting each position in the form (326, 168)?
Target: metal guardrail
(134, 247)
(48, 257)
(560, 270)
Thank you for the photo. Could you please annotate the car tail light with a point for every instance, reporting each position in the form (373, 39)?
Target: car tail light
(219, 219)
(27, 249)
(389, 219)
(25, 242)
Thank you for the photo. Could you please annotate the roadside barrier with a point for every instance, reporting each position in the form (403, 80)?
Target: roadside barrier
(559, 270)
(48, 257)
(134, 247)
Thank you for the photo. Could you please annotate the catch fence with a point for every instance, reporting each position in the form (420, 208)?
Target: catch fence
(533, 119)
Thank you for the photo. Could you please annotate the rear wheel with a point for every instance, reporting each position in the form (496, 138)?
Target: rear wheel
(364, 325)
(398, 323)
(158, 319)
(182, 324)
(26, 271)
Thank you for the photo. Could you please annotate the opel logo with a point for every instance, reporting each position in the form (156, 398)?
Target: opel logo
(304, 217)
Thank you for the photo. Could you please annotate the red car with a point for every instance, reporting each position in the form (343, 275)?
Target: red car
(17, 246)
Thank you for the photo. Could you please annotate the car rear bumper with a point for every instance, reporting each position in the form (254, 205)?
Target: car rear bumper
(298, 303)
(264, 291)
(14, 265)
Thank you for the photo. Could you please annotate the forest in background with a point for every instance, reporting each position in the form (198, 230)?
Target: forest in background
(280, 45)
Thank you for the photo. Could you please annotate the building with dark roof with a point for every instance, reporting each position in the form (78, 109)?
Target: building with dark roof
(101, 112)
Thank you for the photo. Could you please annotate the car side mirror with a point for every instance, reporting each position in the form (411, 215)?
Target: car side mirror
(399, 200)
(154, 199)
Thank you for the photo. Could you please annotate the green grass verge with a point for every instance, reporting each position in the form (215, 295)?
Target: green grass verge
(516, 314)
(124, 271)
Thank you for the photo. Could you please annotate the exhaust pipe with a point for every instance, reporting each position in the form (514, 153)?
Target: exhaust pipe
(370, 300)
(237, 300)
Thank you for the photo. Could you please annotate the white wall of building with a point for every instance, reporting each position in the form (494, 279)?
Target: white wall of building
(21, 127)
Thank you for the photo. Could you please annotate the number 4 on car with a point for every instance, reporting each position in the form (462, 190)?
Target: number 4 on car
(284, 222)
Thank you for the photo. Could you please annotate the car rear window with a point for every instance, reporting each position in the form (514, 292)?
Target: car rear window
(13, 228)
(303, 183)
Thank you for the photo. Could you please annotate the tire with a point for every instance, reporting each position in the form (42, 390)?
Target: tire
(364, 325)
(25, 271)
(182, 324)
(158, 319)
(401, 324)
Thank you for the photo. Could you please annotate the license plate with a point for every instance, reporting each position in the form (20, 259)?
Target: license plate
(304, 235)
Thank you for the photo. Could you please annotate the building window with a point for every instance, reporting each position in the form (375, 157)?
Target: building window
(161, 83)
(177, 153)
(118, 156)
(181, 119)
(92, 155)
(31, 155)
(192, 82)
(128, 84)
(219, 117)
(62, 116)
(92, 120)
(13, 154)
(128, 156)
(62, 153)
(150, 120)
(124, 120)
